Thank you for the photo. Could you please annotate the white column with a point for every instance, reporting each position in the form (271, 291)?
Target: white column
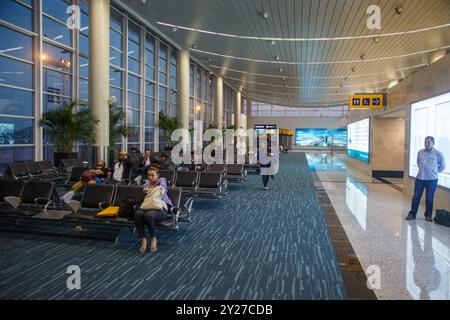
(249, 113)
(219, 102)
(237, 111)
(183, 88)
(99, 15)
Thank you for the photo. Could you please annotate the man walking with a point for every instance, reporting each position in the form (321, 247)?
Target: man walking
(431, 162)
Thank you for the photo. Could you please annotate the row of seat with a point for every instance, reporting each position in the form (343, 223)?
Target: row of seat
(28, 198)
(33, 169)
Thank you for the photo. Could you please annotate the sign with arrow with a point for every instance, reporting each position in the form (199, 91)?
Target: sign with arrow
(366, 101)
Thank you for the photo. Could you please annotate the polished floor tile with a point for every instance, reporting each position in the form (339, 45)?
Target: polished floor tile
(413, 256)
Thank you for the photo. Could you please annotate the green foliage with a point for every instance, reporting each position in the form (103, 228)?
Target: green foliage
(67, 125)
(168, 126)
(117, 124)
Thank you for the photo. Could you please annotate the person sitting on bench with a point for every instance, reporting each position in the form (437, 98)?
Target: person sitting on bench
(154, 208)
(121, 168)
(166, 162)
(101, 171)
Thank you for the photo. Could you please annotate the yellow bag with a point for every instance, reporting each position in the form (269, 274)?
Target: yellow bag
(109, 212)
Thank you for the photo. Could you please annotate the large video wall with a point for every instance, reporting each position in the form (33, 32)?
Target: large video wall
(431, 117)
(358, 140)
(320, 137)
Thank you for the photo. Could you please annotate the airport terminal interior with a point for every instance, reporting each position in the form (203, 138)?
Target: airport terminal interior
(348, 101)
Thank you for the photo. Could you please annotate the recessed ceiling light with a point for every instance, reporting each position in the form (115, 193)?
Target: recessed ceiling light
(281, 70)
(398, 9)
(353, 69)
(277, 58)
(272, 42)
(194, 46)
(174, 29)
(363, 57)
(376, 39)
(264, 15)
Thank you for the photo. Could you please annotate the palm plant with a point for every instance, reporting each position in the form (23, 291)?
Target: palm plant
(117, 124)
(67, 125)
(168, 125)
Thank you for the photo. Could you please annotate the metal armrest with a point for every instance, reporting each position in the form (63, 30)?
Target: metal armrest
(13, 201)
(74, 205)
(43, 201)
(103, 205)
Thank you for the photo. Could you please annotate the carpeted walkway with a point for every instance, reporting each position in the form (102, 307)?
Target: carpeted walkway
(252, 244)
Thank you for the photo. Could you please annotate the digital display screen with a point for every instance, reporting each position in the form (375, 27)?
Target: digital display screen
(311, 137)
(431, 117)
(321, 138)
(337, 138)
(358, 140)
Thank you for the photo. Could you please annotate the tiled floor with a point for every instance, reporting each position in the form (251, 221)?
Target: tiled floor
(413, 257)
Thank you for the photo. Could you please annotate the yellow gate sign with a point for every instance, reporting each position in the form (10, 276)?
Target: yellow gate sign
(366, 101)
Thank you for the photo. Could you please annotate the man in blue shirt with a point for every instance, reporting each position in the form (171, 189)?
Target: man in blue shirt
(431, 162)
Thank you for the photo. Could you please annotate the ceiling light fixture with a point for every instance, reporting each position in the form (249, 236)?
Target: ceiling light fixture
(321, 62)
(174, 29)
(337, 77)
(376, 39)
(398, 9)
(304, 39)
(264, 15)
(194, 46)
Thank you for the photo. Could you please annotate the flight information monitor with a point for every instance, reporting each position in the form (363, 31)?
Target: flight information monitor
(358, 140)
(431, 117)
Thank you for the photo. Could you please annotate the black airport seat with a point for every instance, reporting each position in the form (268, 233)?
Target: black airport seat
(10, 188)
(218, 168)
(235, 172)
(36, 194)
(171, 223)
(186, 180)
(169, 175)
(33, 169)
(75, 175)
(94, 196)
(19, 170)
(209, 184)
(47, 167)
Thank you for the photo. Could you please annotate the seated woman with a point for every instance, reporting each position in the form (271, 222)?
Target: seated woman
(88, 177)
(154, 208)
(101, 171)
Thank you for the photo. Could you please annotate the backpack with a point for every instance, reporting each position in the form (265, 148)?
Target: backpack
(127, 208)
(442, 217)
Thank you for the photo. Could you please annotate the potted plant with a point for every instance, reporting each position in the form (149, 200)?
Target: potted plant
(117, 127)
(168, 125)
(67, 125)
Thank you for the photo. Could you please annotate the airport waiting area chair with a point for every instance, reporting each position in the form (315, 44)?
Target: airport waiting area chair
(30, 198)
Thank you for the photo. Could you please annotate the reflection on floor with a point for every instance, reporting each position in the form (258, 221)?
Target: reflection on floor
(414, 257)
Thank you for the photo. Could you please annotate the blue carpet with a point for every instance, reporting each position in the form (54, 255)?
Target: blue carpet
(252, 244)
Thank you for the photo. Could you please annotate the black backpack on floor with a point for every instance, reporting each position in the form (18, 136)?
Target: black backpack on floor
(442, 217)
(127, 208)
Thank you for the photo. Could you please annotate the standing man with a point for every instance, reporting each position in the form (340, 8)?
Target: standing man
(431, 162)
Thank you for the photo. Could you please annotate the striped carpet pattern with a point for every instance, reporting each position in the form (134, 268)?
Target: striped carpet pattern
(252, 244)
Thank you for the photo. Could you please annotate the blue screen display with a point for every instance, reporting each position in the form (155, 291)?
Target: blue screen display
(321, 137)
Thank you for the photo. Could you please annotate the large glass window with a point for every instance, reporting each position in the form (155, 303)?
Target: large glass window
(16, 102)
(17, 14)
(16, 73)
(16, 44)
